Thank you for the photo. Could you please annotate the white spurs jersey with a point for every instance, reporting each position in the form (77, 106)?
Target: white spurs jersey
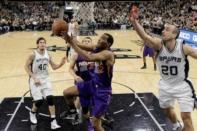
(40, 65)
(173, 65)
(72, 29)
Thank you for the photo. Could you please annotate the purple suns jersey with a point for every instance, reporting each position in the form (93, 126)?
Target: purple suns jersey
(84, 68)
(103, 74)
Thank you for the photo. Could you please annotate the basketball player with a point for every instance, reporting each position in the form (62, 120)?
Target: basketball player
(173, 66)
(100, 86)
(81, 70)
(40, 85)
(72, 31)
(148, 51)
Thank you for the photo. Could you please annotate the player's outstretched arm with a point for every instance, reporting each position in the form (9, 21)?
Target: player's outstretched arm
(149, 40)
(103, 55)
(57, 66)
(188, 50)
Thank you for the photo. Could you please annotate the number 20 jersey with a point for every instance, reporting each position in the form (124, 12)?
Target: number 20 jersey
(40, 65)
(173, 65)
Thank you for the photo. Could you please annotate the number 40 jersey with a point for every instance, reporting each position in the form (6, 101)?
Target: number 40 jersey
(173, 65)
(40, 65)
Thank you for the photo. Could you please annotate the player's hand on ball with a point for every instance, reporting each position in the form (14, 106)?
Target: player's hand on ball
(66, 37)
(78, 79)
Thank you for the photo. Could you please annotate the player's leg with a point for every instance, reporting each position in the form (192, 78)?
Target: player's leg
(48, 94)
(154, 62)
(70, 96)
(187, 120)
(186, 102)
(170, 113)
(101, 102)
(144, 61)
(166, 102)
(97, 124)
(36, 105)
(77, 104)
(145, 53)
(37, 101)
(152, 54)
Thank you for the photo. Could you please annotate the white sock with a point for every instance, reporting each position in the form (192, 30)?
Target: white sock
(53, 116)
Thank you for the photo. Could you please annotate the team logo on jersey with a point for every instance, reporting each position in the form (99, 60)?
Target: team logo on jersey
(99, 68)
(169, 59)
(42, 60)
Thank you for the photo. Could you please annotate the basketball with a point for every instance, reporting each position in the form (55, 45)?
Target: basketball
(58, 26)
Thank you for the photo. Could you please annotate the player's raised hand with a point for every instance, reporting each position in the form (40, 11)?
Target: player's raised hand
(134, 12)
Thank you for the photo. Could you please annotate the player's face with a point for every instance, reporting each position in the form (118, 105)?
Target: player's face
(168, 33)
(87, 41)
(42, 45)
(102, 42)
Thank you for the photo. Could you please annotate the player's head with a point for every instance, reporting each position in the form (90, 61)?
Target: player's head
(170, 32)
(41, 43)
(105, 41)
(87, 41)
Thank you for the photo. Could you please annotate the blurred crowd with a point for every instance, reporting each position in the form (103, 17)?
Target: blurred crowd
(19, 16)
(155, 14)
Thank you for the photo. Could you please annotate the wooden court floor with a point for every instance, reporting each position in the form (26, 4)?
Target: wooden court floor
(15, 48)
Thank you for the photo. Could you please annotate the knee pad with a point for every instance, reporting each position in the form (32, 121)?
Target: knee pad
(38, 103)
(50, 100)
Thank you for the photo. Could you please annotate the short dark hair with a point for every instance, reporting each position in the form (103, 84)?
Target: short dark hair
(110, 39)
(39, 39)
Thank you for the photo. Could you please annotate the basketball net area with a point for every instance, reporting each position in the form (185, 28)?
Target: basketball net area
(84, 12)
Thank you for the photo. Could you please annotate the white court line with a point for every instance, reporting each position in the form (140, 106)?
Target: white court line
(11, 119)
(42, 114)
(162, 124)
(132, 104)
(116, 112)
(138, 115)
(154, 119)
(25, 120)
(136, 96)
(9, 114)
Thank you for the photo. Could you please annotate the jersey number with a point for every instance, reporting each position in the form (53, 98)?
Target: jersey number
(172, 70)
(42, 66)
